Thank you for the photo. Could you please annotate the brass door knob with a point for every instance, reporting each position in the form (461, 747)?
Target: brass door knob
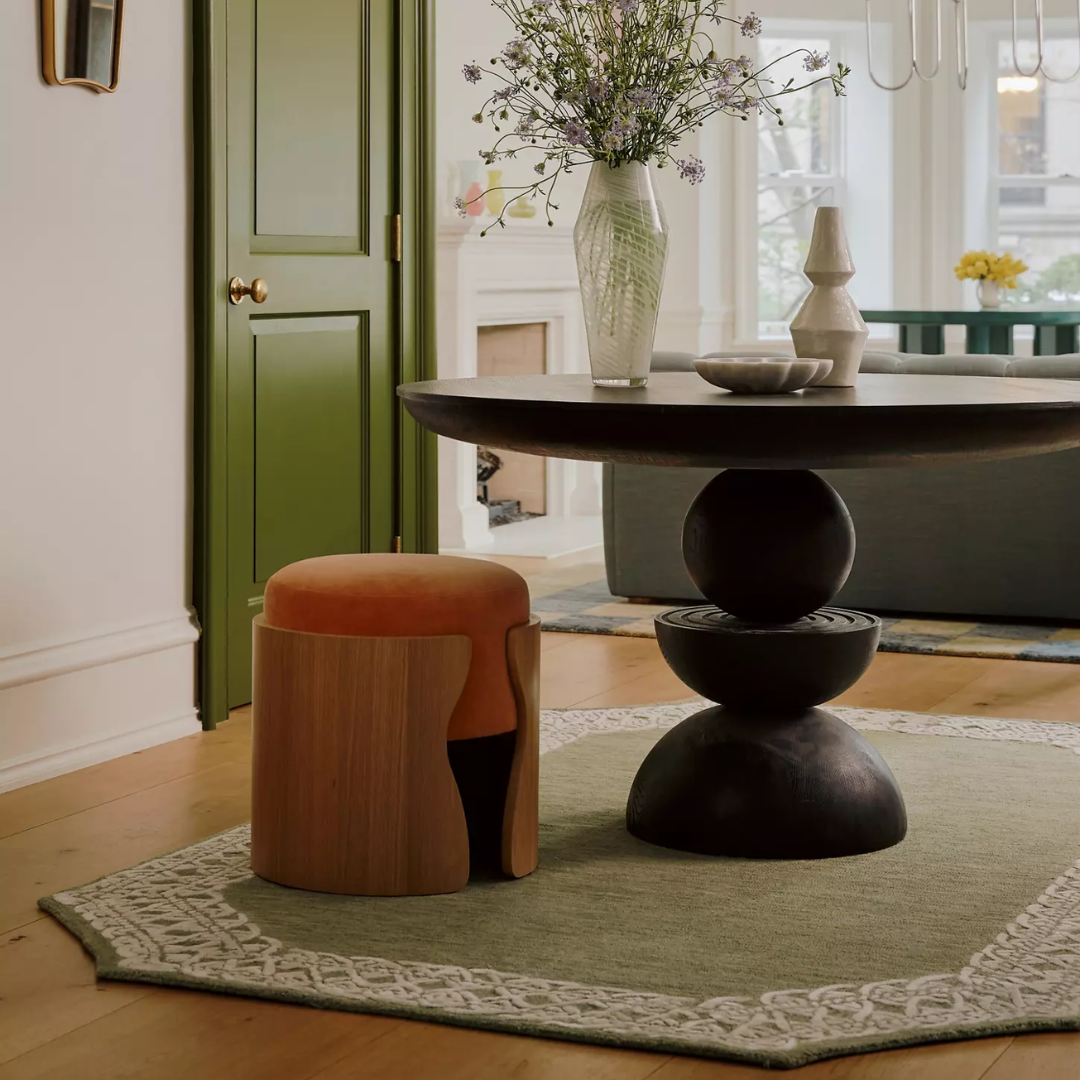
(257, 290)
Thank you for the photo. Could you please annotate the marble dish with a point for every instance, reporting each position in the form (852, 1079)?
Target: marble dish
(761, 374)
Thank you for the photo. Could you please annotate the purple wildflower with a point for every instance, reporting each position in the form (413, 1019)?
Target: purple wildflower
(471, 72)
(575, 133)
(815, 61)
(751, 25)
(623, 127)
(505, 94)
(726, 70)
(459, 206)
(516, 54)
(597, 89)
(641, 97)
(612, 140)
(724, 93)
(627, 7)
(691, 169)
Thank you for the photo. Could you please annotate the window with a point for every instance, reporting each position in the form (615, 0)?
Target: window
(830, 152)
(799, 169)
(1035, 174)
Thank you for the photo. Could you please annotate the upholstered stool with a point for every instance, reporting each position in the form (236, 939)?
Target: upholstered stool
(396, 724)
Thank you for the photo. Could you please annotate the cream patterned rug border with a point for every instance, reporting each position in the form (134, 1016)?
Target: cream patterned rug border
(167, 922)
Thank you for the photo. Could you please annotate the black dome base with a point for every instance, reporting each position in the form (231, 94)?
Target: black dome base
(794, 785)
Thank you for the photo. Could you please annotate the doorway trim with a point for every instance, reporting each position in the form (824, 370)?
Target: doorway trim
(416, 502)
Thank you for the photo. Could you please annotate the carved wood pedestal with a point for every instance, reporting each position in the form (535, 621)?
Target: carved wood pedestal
(765, 773)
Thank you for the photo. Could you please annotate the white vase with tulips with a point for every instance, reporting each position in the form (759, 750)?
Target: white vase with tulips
(993, 273)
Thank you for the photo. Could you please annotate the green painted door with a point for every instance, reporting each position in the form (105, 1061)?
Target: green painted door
(311, 371)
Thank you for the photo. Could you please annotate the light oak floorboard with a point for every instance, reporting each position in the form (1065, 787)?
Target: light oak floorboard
(435, 1052)
(1039, 1057)
(48, 988)
(38, 804)
(87, 845)
(178, 1035)
(949, 1061)
(1024, 689)
(55, 1022)
(910, 681)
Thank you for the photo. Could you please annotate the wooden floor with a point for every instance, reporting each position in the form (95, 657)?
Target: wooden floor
(55, 1021)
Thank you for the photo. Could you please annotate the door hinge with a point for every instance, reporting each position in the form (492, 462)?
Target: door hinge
(397, 545)
(395, 238)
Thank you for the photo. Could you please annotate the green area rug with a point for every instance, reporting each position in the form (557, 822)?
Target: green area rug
(568, 604)
(970, 927)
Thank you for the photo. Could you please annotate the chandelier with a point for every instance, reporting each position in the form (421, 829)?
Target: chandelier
(919, 67)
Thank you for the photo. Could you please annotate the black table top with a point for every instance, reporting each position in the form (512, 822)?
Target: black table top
(679, 419)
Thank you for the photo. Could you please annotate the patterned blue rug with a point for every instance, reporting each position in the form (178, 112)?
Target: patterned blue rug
(566, 604)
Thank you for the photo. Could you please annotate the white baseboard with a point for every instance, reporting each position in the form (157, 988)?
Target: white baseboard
(44, 764)
(44, 658)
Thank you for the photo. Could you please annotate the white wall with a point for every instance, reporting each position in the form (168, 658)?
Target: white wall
(96, 639)
(470, 31)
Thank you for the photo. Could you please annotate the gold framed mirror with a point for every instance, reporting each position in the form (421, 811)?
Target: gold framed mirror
(80, 43)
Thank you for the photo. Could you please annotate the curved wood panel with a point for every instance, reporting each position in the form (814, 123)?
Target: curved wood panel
(352, 790)
(679, 419)
(521, 820)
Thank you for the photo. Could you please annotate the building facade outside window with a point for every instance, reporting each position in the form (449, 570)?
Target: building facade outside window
(829, 152)
(922, 174)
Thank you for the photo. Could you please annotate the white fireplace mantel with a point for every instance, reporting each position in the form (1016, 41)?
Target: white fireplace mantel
(521, 274)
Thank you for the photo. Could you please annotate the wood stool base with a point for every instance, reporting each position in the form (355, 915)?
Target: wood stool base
(352, 788)
(346, 796)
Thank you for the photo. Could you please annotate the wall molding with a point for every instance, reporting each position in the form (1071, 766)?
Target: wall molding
(45, 658)
(55, 761)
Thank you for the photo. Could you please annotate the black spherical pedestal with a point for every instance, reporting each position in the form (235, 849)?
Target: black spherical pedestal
(766, 774)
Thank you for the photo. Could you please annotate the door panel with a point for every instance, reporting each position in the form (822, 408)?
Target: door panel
(310, 430)
(310, 86)
(312, 371)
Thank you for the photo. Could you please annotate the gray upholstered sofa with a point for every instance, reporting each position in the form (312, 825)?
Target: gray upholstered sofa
(998, 538)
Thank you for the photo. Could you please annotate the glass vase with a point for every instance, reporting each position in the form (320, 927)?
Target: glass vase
(621, 242)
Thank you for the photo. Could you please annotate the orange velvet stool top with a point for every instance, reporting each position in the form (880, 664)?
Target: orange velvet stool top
(414, 596)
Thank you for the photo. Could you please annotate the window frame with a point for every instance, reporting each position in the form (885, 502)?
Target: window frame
(844, 37)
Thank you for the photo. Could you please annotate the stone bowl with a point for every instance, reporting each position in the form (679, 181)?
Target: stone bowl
(761, 374)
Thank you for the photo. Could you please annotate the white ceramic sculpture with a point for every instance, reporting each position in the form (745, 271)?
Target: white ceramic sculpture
(828, 325)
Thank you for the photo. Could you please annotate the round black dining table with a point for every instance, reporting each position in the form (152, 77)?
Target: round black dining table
(765, 772)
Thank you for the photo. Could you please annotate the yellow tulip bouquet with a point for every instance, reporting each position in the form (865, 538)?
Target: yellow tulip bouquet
(987, 266)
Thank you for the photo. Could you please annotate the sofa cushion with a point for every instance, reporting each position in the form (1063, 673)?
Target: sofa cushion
(1066, 366)
(953, 364)
(880, 363)
(672, 361)
(735, 354)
